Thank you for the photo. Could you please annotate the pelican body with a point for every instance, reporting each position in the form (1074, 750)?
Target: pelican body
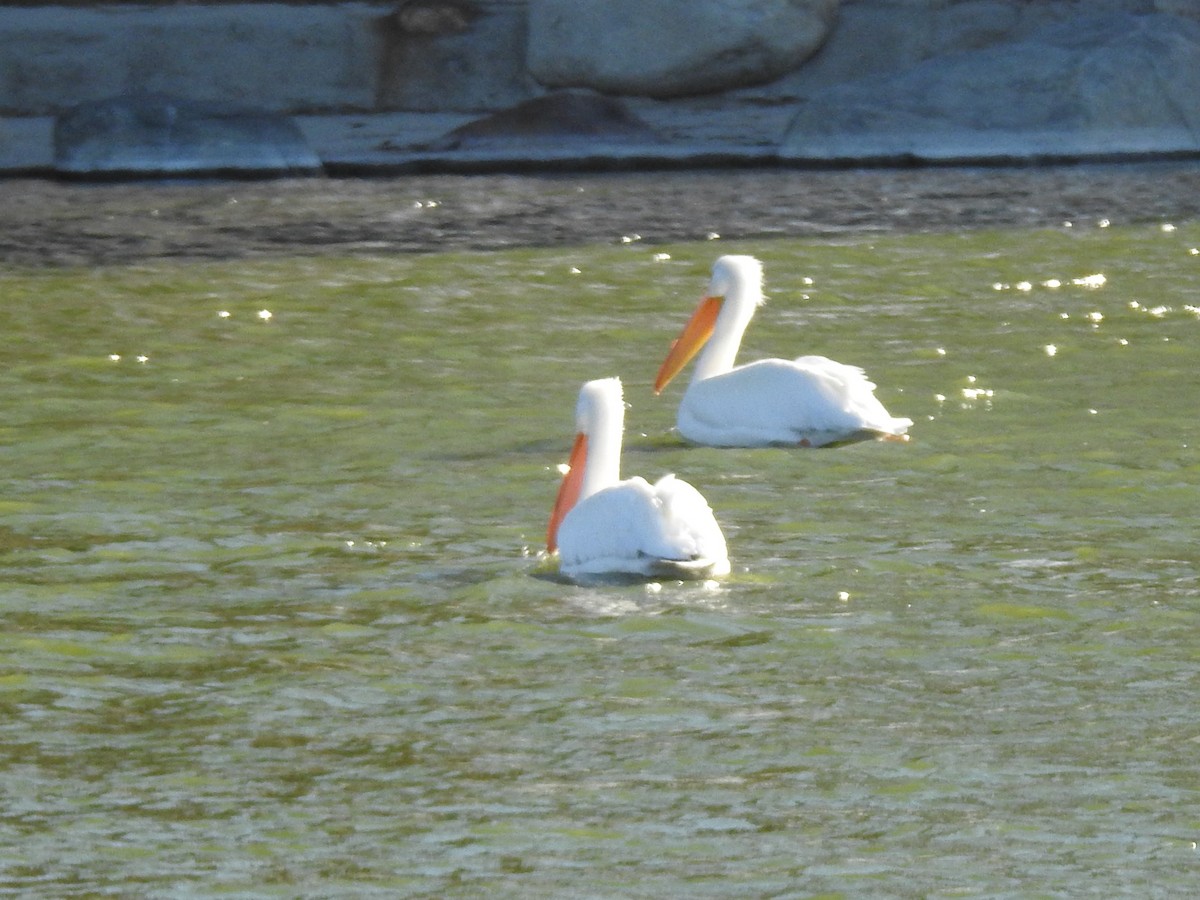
(811, 401)
(602, 525)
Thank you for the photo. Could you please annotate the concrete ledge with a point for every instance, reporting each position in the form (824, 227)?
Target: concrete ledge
(27, 145)
(380, 145)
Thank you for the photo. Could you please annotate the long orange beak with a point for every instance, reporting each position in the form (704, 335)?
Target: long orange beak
(568, 491)
(698, 330)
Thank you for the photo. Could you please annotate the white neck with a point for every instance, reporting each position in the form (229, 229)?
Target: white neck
(601, 416)
(718, 355)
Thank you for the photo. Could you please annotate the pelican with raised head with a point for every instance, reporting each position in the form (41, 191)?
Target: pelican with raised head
(602, 525)
(811, 401)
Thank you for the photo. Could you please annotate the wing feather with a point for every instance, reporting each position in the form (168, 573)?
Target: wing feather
(812, 400)
(634, 527)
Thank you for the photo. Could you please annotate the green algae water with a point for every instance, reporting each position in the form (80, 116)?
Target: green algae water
(275, 622)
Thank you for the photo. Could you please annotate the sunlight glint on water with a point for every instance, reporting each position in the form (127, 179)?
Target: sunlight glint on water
(275, 619)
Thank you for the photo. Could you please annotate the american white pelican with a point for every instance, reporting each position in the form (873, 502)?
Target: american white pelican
(602, 525)
(808, 402)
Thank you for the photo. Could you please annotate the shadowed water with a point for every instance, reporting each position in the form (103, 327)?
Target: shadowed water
(275, 621)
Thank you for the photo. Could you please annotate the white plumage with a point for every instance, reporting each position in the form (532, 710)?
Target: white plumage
(811, 401)
(602, 525)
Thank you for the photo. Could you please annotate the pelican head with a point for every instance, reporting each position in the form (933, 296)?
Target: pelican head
(737, 275)
(595, 460)
(734, 292)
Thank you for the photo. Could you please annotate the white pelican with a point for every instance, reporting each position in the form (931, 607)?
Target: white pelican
(602, 525)
(808, 402)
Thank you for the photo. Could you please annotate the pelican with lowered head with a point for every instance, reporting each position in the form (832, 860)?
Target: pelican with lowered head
(811, 401)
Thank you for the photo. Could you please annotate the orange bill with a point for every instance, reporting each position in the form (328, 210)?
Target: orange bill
(568, 491)
(694, 335)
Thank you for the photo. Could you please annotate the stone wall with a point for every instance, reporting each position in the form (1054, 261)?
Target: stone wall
(438, 55)
(819, 79)
(285, 58)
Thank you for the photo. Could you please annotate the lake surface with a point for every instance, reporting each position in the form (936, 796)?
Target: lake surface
(277, 463)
